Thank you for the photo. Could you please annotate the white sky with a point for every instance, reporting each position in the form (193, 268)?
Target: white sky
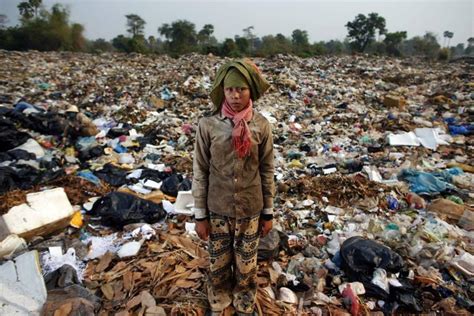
(323, 20)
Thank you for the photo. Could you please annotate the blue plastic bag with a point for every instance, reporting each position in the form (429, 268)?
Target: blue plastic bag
(429, 183)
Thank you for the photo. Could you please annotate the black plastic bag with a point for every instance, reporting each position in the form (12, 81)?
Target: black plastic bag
(185, 185)
(155, 175)
(7, 179)
(54, 163)
(27, 176)
(45, 123)
(5, 157)
(175, 183)
(5, 123)
(118, 209)
(360, 257)
(50, 175)
(112, 175)
(10, 139)
(143, 141)
(16, 154)
(21, 177)
(402, 300)
(170, 185)
(119, 131)
(20, 154)
(91, 153)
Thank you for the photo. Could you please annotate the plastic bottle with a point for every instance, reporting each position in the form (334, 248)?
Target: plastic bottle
(392, 203)
(456, 199)
(458, 130)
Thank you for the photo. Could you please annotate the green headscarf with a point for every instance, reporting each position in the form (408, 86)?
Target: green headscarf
(257, 84)
(235, 79)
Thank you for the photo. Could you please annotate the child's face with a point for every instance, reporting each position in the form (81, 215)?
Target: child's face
(237, 98)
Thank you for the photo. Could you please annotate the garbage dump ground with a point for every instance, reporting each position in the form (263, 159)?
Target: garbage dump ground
(374, 173)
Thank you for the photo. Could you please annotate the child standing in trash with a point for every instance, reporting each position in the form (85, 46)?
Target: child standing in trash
(233, 185)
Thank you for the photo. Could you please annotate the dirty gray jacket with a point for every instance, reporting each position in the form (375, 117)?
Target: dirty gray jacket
(225, 184)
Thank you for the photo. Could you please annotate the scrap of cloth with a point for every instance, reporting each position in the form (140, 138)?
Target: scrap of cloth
(241, 132)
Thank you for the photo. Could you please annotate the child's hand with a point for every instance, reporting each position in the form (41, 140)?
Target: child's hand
(265, 227)
(202, 229)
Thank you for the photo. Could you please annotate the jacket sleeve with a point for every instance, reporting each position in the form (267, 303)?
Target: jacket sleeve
(201, 170)
(267, 169)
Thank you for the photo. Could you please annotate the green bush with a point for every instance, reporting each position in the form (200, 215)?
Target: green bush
(444, 54)
(45, 32)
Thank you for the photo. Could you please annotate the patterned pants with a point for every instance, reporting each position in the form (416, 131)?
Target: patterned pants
(233, 254)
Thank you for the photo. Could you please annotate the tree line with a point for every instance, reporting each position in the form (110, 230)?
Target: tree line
(47, 30)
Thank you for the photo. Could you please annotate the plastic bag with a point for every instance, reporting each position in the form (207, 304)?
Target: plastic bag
(175, 183)
(10, 139)
(23, 177)
(91, 153)
(361, 257)
(426, 183)
(118, 209)
(155, 175)
(17, 154)
(112, 175)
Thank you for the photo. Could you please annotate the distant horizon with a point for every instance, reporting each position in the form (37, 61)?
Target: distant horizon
(323, 20)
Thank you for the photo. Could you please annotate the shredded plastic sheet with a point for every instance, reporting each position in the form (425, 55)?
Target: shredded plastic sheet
(53, 259)
(100, 245)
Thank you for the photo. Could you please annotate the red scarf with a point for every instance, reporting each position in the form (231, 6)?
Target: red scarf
(241, 132)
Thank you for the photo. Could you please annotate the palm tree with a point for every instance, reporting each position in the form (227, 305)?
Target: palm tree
(204, 35)
(165, 30)
(26, 11)
(449, 35)
(135, 25)
(35, 4)
(470, 41)
(29, 9)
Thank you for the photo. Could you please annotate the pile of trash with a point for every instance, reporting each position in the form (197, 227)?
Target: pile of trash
(374, 175)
